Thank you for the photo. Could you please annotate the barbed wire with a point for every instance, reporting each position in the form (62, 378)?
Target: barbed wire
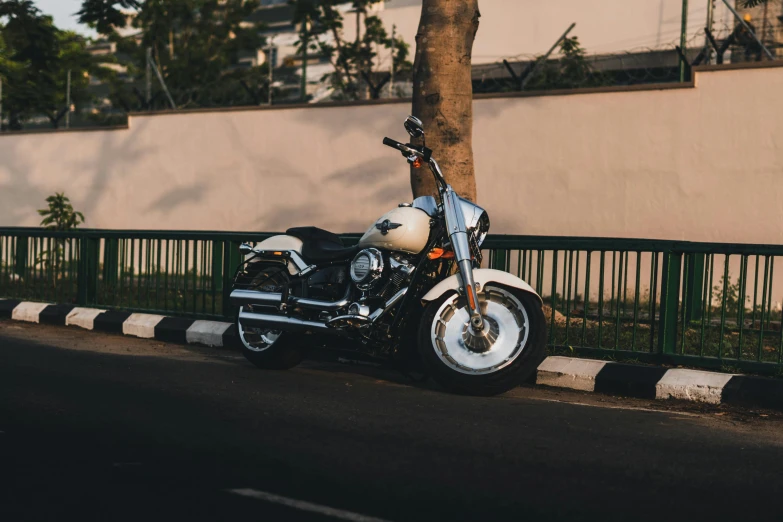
(640, 65)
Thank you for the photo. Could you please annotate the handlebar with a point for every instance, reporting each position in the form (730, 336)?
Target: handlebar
(424, 153)
(393, 143)
(405, 149)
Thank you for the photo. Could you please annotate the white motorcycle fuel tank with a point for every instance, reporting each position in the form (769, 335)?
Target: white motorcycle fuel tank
(404, 229)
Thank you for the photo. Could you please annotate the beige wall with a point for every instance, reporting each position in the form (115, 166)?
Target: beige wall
(700, 163)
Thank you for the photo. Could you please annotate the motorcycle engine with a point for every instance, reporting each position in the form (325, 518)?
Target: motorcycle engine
(380, 275)
(367, 268)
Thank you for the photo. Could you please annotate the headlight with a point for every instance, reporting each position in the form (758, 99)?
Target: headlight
(476, 219)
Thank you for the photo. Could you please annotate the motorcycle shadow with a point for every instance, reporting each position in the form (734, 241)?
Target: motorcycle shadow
(339, 361)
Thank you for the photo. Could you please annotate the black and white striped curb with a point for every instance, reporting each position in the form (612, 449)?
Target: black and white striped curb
(147, 326)
(628, 380)
(655, 382)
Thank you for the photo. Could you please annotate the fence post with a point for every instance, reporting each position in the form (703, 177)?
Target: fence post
(499, 260)
(217, 266)
(21, 256)
(694, 287)
(111, 261)
(670, 292)
(231, 260)
(87, 278)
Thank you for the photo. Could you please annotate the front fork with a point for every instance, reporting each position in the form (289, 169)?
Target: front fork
(458, 235)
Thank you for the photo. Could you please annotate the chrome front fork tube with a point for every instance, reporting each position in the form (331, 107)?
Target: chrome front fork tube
(455, 222)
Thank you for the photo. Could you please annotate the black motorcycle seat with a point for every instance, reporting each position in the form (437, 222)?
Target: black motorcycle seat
(321, 246)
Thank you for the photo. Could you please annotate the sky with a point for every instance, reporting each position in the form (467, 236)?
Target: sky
(63, 13)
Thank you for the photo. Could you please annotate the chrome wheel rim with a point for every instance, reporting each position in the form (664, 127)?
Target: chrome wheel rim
(261, 339)
(503, 313)
(257, 339)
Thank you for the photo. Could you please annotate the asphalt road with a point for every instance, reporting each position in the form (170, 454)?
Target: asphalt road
(97, 427)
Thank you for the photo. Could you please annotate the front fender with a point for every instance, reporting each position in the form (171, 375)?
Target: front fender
(482, 276)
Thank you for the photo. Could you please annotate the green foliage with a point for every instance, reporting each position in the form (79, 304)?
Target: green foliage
(196, 43)
(103, 15)
(30, 60)
(355, 62)
(35, 58)
(60, 215)
(571, 71)
(733, 300)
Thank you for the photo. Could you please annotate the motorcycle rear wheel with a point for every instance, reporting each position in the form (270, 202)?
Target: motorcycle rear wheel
(266, 348)
(509, 355)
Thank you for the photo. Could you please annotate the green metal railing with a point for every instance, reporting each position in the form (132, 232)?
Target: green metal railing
(697, 304)
(177, 273)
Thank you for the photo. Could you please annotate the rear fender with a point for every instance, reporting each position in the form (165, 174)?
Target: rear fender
(482, 276)
(287, 249)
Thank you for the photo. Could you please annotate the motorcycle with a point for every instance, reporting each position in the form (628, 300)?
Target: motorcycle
(412, 285)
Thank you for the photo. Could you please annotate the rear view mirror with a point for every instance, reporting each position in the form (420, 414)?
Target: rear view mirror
(414, 126)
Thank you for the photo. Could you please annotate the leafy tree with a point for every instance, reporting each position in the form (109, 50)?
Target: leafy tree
(60, 215)
(196, 43)
(104, 15)
(355, 62)
(35, 58)
(30, 61)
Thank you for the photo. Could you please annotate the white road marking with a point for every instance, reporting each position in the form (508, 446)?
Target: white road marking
(608, 407)
(305, 506)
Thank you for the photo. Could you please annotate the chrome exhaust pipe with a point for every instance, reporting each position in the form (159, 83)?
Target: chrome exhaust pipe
(281, 322)
(255, 297)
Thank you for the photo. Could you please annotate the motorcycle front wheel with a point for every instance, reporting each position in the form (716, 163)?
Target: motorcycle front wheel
(502, 357)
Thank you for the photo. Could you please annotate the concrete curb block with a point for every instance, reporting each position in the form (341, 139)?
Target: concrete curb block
(652, 382)
(83, 317)
(141, 325)
(565, 372)
(29, 312)
(177, 330)
(692, 385)
(630, 380)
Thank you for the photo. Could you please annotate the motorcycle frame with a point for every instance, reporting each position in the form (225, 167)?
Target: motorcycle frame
(415, 288)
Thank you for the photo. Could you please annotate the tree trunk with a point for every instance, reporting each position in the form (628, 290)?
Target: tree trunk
(443, 92)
